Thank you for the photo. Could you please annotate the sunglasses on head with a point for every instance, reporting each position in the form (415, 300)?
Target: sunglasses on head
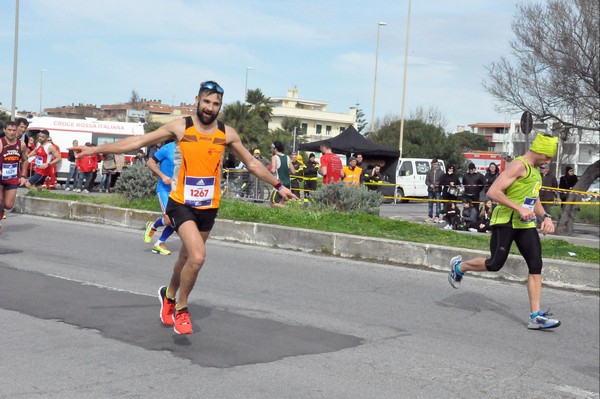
(210, 85)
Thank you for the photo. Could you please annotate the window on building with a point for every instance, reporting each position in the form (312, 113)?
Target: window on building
(304, 128)
(328, 130)
(319, 128)
(342, 128)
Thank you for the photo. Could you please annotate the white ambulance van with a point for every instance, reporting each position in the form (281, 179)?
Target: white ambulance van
(63, 131)
(410, 177)
(483, 159)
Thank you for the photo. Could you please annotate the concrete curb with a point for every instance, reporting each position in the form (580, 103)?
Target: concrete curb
(557, 273)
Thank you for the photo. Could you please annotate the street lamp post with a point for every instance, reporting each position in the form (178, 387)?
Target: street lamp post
(41, 88)
(379, 25)
(246, 87)
(13, 110)
(404, 82)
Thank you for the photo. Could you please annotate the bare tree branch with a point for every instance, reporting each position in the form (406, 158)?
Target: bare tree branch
(554, 69)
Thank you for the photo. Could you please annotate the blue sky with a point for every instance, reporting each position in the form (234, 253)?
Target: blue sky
(98, 52)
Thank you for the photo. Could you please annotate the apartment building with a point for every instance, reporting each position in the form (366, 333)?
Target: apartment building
(579, 150)
(317, 123)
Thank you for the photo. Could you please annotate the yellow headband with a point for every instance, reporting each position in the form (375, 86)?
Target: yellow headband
(545, 145)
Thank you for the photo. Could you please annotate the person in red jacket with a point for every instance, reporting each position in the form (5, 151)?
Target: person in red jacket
(86, 165)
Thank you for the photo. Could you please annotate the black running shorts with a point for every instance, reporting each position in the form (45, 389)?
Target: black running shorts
(528, 243)
(179, 214)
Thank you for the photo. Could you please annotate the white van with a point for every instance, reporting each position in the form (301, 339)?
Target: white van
(410, 177)
(64, 130)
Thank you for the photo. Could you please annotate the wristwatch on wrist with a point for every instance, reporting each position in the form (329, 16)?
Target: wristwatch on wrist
(547, 215)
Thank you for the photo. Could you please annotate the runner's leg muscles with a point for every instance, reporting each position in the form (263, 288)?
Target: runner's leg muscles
(10, 197)
(176, 276)
(528, 242)
(1, 201)
(194, 243)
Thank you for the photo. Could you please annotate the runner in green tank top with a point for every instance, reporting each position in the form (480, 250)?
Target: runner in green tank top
(282, 168)
(516, 193)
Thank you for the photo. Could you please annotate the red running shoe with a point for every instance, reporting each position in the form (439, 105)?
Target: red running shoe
(167, 307)
(183, 324)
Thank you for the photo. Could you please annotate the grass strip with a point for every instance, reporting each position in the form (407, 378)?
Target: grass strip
(355, 224)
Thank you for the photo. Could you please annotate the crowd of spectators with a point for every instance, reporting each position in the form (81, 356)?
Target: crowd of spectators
(470, 192)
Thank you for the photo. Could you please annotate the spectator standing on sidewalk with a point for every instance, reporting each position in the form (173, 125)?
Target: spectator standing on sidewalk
(450, 184)
(433, 180)
(359, 160)
(86, 165)
(310, 176)
(72, 176)
(140, 158)
(374, 178)
(120, 163)
(352, 174)
(473, 183)
(91, 184)
(109, 168)
(567, 182)
(490, 177)
(298, 176)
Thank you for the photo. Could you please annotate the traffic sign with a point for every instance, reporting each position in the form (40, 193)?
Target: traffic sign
(526, 122)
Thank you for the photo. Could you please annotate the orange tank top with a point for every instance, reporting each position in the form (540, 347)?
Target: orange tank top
(197, 174)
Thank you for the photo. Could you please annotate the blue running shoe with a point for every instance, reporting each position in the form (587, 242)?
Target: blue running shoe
(541, 321)
(453, 277)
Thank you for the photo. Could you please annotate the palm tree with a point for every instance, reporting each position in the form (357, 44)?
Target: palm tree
(289, 124)
(260, 104)
(247, 123)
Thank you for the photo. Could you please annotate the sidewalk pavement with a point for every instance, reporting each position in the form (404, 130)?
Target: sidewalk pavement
(557, 273)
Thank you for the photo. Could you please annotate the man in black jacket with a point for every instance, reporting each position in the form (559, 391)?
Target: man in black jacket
(434, 190)
(473, 183)
(73, 172)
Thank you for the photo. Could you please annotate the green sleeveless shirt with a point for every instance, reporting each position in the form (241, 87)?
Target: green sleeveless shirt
(283, 171)
(523, 191)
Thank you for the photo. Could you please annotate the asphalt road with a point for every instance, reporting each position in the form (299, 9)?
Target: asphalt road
(80, 315)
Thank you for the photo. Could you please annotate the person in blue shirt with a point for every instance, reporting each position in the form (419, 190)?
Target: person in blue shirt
(162, 164)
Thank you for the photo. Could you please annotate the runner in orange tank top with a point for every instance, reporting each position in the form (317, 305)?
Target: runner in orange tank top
(195, 197)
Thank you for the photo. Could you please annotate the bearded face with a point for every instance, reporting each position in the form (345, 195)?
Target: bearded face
(205, 116)
(208, 107)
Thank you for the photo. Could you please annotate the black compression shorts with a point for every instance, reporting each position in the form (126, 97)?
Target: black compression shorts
(179, 214)
(527, 240)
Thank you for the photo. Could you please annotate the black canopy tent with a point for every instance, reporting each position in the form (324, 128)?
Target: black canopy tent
(350, 141)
